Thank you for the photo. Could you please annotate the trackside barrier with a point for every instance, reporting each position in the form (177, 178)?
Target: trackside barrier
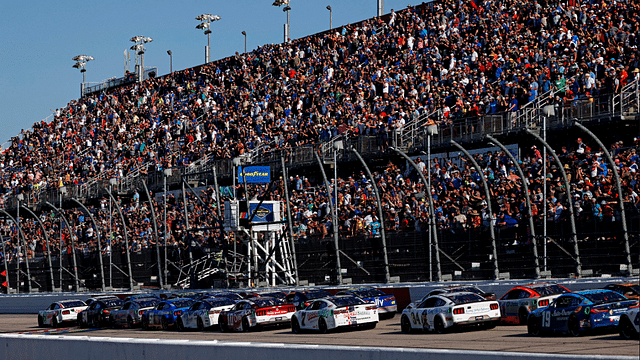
(46, 347)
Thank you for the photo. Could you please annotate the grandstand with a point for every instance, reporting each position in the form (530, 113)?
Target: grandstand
(412, 81)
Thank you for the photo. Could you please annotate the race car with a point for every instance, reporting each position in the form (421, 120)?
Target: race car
(164, 315)
(130, 314)
(452, 289)
(141, 296)
(99, 312)
(227, 294)
(302, 299)
(61, 312)
(451, 310)
(203, 313)
(518, 302)
(336, 311)
(90, 300)
(629, 290)
(386, 304)
(580, 311)
(251, 313)
(629, 325)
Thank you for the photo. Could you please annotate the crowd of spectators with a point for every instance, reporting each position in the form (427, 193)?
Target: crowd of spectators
(453, 59)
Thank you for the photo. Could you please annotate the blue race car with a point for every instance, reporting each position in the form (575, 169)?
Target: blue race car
(164, 314)
(387, 306)
(577, 312)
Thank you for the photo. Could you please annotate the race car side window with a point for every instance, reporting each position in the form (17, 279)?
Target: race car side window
(513, 294)
(439, 302)
(316, 305)
(160, 306)
(247, 306)
(195, 306)
(52, 306)
(563, 301)
(126, 306)
(524, 294)
(574, 302)
(429, 303)
(323, 305)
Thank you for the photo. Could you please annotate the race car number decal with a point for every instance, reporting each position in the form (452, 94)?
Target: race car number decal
(546, 319)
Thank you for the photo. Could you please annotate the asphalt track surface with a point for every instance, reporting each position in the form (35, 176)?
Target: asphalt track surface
(386, 334)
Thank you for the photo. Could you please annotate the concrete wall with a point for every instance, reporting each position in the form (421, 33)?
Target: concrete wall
(46, 347)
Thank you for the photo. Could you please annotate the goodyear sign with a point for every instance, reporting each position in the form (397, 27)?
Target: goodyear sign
(255, 174)
(264, 213)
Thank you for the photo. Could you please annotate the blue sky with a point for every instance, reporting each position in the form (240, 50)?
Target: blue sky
(39, 38)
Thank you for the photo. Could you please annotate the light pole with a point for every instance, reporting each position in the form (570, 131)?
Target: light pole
(330, 17)
(81, 62)
(170, 61)
(206, 26)
(285, 9)
(245, 41)
(140, 49)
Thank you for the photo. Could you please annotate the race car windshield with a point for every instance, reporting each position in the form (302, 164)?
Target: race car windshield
(183, 303)
(232, 296)
(367, 293)
(604, 297)
(550, 290)
(267, 302)
(470, 289)
(73, 303)
(636, 288)
(220, 302)
(460, 299)
(347, 301)
(147, 302)
(316, 294)
(112, 302)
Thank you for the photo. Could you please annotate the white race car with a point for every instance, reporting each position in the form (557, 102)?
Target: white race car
(204, 313)
(443, 312)
(629, 324)
(333, 312)
(61, 312)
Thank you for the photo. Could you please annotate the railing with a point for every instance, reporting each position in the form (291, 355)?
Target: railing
(111, 83)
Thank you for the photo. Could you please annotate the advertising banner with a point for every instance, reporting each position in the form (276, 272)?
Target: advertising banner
(255, 174)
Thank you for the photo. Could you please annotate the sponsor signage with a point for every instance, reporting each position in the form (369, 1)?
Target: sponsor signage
(255, 174)
(264, 213)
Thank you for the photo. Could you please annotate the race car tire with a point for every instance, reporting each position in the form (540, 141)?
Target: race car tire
(223, 325)
(533, 326)
(370, 326)
(165, 323)
(130, 323)
(627, 330)
(145, 323)
(573, 326)
(200, 325)
(55, 323)
(405, 324)
(245, 324)
(490, 325)
(523, 314)
(322, 326)
(80, 323)
(295, 325)
(438, 326)
(40, 321)
(179, 324)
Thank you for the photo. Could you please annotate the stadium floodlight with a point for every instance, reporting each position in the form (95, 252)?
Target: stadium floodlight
(206, 26)
(147, 40)
(330, 17)
(81, 62)
(136, 38)
(140, 49)
(245, 41)
(286, 9)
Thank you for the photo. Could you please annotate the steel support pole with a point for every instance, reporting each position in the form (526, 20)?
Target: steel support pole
(6, 265)
(431, 207)
(73, 244)
(186, 222)
(289, 218)
(95, 224)
(496, 271)
(619, 188)
(20, 234)
(572, 219)
(380, 213)
(334, 213)
(164, 203)
(527, 201)
(126, 238)
(46, 238)
(24, 243)
(155, 231)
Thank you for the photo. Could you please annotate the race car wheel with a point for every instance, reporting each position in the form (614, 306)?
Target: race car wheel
(200, 325)
(80, 323)
(370, 326)
(179, 324)
(322, 326)
(573, 326)
(40, 321)
(438, 326)
(295, 326)
(533, 327)
(54, 322)
(491, 325)
(626, 329)
(145, 323)
(523, 314)
(223, 326)
(245, 324)
(165, 323)
(405, 324)
(130, 322)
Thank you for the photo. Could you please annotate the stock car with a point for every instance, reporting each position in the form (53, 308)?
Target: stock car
(450, 310)
(203, 313)
(61, 312)
(629, 290)
(302, 299)
(90, 300)
(518, 302)
(164, 315)
(98, 314)
(580, 311)
(455, 288)
(386, 304)
(250, 313)
(130, 313)
(629, 325)
(336, 311)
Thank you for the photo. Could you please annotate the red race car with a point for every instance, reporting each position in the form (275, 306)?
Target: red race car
(518, 302)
